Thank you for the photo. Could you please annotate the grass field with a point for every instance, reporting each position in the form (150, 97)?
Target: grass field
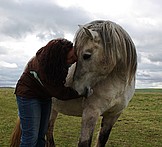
(140, 125)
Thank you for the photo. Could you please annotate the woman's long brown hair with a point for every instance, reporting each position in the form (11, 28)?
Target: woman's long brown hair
(52, 59)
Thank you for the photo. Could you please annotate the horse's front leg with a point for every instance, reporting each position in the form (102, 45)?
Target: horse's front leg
(89, 119)
(107, 123)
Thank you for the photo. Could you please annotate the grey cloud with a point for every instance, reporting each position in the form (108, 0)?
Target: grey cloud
(27, 17)
(49, 34)
(9, 77)
(3, 50)
(150, 67)
(16, 28)
(143, 74)
(147, 39)
(149, 77)
(155, 57)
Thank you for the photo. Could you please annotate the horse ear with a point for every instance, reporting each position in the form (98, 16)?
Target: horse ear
(80, 26)
(91, 34)
(88, 32)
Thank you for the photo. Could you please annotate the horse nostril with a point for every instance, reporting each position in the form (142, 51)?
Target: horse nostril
(85, 91)
(88, 91)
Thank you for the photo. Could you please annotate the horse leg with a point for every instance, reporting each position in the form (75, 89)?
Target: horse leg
(106, 126)
(49, 136)
(89, 119)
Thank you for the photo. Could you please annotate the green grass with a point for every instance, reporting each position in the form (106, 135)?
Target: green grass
(150, 90)
(140, 125)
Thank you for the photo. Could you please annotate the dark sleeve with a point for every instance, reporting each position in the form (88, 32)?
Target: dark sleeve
(61, 92)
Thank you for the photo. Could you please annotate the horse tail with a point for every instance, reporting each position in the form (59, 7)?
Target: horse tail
(16, 135)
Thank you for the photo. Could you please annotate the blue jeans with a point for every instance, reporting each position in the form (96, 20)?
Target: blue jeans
(34, 116)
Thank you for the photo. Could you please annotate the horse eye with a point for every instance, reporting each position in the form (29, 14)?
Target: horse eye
(86, 56)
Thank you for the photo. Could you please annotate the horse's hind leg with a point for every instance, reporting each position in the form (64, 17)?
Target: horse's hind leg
(49, 136)
(106, 126)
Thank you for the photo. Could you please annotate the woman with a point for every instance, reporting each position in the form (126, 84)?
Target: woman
(43, 78)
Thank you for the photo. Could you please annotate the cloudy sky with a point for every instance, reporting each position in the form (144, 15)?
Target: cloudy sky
(27, 25)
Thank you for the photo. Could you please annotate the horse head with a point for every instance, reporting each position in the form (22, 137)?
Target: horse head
(104, 49)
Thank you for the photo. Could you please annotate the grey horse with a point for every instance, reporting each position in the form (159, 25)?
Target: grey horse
(107, 63)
